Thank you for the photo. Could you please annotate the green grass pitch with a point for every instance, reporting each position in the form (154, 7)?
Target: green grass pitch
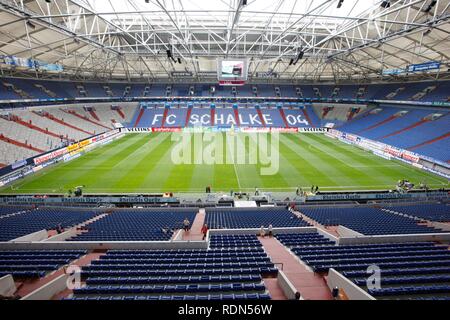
(141, 163)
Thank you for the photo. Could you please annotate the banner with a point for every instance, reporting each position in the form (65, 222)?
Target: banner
(387, 151)
(137, 130)
(19, 164)
(311, 130)
(181, 74)
(84, 143)
(30, 63)
(393, 151)
(268, 74)
(285, 130)
(375, 196)
(407, 155)
(49, 156)
(74, 147)
(36, 169)
(388, 72)
(432, 65)
(166, 129)
(231, 82)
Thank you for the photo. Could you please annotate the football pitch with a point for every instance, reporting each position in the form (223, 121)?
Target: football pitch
(143, 163)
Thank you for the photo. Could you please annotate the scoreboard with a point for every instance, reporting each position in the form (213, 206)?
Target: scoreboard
(232, 72)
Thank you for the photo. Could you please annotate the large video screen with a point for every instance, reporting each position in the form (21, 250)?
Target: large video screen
(232, 69)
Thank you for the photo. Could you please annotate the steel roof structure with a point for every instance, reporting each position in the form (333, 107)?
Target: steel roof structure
(287, 41)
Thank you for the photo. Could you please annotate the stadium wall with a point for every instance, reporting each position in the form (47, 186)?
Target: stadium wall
(389, 152)
(438, 236)
(351, 290)
(47, 291)
(104, 245)
(7, 286)
(31, 165)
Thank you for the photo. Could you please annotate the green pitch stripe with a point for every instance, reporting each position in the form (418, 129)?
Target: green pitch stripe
(250, 174)
(358, 172)
(284, 178)
(355, 167)
(225, 177)
(159, 176)
(313, 165)
(63, 176)
(388, 170)
(180, 176)
(119, 165)
(202, 175)
(392, 169)
(138, 170)
(101, 173)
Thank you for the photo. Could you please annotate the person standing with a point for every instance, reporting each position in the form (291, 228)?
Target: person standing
(59, 229)
(204, 231)
(262, 232)
(270, 229)
(186, 224)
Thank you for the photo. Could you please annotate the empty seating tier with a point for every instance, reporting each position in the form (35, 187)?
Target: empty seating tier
(252, 218)
(408, 270)
(303, 239)
(137, 225)
(367, 220)
(237, 241)
(431, 212)
(7, 210)
(35, 263)
(213, 274)
(15, 88)
(45, 218)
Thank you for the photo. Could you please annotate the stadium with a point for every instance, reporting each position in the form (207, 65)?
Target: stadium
(226, 150)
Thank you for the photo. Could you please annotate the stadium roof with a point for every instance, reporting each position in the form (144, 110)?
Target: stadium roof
(129, 39)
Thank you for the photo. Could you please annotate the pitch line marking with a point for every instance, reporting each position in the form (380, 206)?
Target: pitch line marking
(234, 164)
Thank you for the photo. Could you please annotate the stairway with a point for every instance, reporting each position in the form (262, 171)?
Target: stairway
(414, 125)
(34, 127)
(163, 122)
(283, 116)
(310, 285)
(51, 117)
(305, 113)
(379, 123)
(94, 115)
(74, 113)
(236, 116)
(213, 116)
(195, 233)
(188, 116)
(120, 112)
(261, 117)
(141, 113)
(20, 144)
(430, 141)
